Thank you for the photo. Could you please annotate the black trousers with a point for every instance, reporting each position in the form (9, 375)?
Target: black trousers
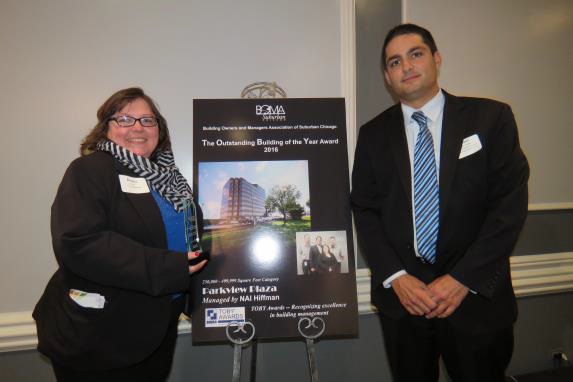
(155, 368)
(414, 346)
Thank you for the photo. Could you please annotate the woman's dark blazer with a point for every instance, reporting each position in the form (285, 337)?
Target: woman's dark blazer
(326, 264)
(109, 242)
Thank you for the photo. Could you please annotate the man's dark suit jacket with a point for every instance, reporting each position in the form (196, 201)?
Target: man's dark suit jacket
(483, 205)
(109, 242)
(313, 254)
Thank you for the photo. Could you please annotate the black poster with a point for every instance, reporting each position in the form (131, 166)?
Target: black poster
(271, 178)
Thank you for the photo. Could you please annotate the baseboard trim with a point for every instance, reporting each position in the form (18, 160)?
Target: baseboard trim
(550, 206)
(532, 275)
(17, 331)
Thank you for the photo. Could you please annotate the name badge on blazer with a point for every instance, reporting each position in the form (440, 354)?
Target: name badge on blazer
(133, 185)
(470, 145)
(87, 300)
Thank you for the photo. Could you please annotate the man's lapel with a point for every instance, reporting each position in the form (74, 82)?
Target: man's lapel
(453, 131)
(399, 144)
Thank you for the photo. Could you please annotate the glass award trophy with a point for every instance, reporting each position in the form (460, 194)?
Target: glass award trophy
(191, 226)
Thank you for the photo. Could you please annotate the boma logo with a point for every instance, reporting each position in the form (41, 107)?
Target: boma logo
(268, 110)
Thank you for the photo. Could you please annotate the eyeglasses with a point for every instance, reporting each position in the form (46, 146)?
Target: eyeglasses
(127, 121)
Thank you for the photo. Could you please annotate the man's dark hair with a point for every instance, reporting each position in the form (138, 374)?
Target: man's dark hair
(403, 29)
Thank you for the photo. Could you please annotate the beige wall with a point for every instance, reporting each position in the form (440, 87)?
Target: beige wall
(520, 52)
(374, 18)
(60, 59)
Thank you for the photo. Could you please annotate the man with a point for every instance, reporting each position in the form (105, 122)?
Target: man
(314, 254)
(337, 252)
(439, 198)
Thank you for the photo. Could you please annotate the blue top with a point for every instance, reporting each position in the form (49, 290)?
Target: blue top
(174, 223)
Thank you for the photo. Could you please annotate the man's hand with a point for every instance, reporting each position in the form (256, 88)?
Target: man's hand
(414, 295)
(448, 293)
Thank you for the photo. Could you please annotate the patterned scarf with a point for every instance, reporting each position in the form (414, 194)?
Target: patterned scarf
(162, 174)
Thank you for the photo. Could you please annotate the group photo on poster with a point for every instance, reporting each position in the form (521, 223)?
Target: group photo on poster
(321, 252)
(271, 178)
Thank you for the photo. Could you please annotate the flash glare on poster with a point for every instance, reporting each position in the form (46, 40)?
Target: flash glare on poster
(266, 249)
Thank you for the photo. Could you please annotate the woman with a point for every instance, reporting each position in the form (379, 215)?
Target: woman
(325, 261)
(123, 245)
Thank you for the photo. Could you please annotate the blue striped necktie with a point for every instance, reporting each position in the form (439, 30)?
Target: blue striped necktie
(426, 191)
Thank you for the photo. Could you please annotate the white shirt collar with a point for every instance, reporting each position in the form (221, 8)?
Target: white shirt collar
(431, 109)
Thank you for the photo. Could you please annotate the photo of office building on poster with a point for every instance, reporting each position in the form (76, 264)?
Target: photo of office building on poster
(245, 200)
(242, 200)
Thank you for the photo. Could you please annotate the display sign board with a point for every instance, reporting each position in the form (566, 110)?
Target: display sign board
(271, 179)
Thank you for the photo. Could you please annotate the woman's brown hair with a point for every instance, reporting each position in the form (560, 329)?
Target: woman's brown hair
(114, 104)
